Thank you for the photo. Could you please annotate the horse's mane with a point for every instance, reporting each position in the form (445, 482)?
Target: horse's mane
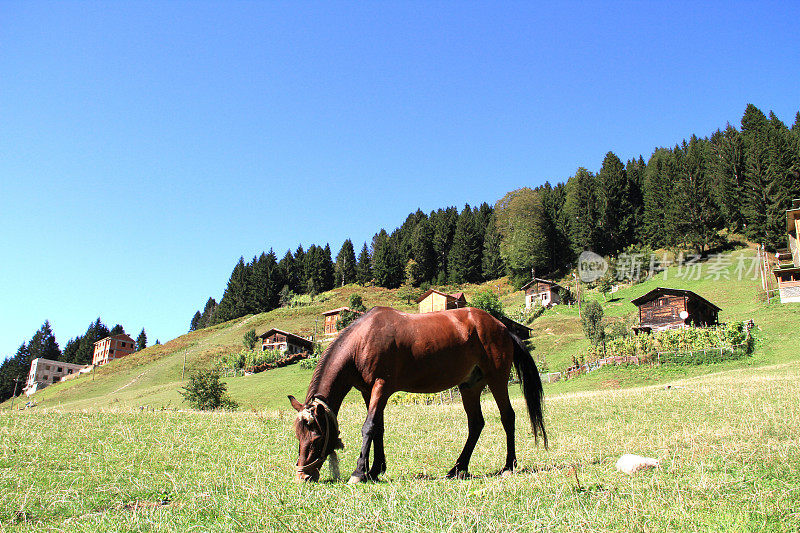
(330, 352)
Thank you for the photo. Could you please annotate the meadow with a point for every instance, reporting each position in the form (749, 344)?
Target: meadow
(118, 450)
(728, 442)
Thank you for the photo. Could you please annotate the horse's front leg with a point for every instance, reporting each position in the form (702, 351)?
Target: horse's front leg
(371, 431)
(379, 458)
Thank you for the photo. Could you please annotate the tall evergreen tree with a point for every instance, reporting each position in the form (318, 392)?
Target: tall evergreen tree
(288, 267)
(386, 263)
(364, 266)
(43, 344)
(209, 310)
(492, 266)
(726, 168)
(464, 259)
(234, 300)
(195, 322)
(615, 209)
(141, 341)
(582, 211)
(346, 264)
(422, 251)
(444, 226)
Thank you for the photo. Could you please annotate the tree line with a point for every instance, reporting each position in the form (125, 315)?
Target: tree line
(735, 180)
(78, 350)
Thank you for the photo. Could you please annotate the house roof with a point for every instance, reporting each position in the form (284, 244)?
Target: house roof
(336, 311)
(120, 336)
(297, 339)
(658, 291)
(455, 296)
(548, 281)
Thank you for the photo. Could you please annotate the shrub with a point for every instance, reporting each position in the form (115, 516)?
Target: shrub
(206, 392)
(489, 302)
(249, 340)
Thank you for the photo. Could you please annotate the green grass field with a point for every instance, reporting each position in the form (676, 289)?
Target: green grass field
(118, 451)
(729, 446)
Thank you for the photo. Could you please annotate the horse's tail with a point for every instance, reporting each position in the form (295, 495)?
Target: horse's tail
(532, 388)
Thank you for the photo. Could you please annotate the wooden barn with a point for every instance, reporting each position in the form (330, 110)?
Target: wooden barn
(787, 272)
(276, 339)
(545, 291)
(434, 300)
(665, 308)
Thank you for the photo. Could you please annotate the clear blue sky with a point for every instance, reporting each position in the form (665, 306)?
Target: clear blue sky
(145, 146)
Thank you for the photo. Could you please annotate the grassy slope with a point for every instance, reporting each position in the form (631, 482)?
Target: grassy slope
(153, 377)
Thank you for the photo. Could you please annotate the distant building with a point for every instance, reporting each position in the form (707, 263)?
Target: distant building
(44, 372)
(664, 308)
(331, 317)
(111, 348)
(546, 292)
(434, 300)
(788, 274)
(276, 339)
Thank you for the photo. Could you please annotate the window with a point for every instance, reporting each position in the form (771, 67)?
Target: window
(60, 369)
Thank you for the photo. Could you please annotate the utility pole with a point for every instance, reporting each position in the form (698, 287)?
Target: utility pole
(183, 372)
(16, 383)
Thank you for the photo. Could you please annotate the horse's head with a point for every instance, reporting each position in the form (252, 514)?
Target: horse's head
(317, 430)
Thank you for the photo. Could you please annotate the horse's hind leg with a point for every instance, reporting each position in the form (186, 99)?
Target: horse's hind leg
(499, 388)
(471, 398)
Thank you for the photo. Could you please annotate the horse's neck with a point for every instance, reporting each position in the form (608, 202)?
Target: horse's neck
(333, 383)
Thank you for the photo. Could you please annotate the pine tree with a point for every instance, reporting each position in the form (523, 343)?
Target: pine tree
(386, 265)
(289, 271)
(43, 344)
(364, 266)
(209, 310)
(422, 251)
(234, 300)
(346, 264)
(464, 259)
(615, 208)
(582, 212)
(444, 226)
(659, 221)
(141, 341)
(117, 330)
(492, 266)
(726, 168)
(328, 273)
(195, 323)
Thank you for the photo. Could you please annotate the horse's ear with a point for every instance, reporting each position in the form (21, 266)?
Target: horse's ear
(319, 412)
(297, 405)
(338, 444)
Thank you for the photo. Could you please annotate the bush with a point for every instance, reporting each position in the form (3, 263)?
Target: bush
(489, 302)
(206, 392)
(250, 339)
(248, 359)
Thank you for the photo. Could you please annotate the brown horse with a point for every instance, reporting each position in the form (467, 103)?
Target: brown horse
(386, 351)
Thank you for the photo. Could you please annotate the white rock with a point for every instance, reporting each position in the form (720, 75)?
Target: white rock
(630, 464)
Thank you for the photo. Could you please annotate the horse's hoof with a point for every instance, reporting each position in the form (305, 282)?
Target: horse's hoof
(354, 479)
(457, 474)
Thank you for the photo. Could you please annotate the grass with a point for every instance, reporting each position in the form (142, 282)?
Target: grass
(113, 452)
(728, 443)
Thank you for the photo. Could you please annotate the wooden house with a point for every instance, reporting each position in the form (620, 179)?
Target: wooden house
(787, 271)
(331, 317)
(546, 292)
(665, 308)
(276, 339)
(112, 347)
(434, 300)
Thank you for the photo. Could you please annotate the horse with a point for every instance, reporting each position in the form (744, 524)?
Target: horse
(386, 351)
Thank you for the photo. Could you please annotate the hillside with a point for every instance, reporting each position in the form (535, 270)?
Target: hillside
(152, 377)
